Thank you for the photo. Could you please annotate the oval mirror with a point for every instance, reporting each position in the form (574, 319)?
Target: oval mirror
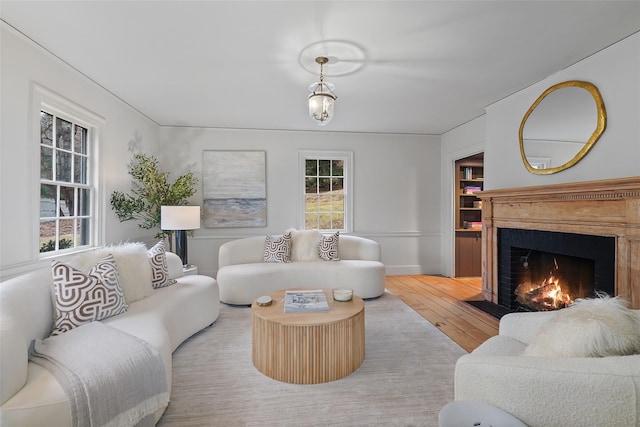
(561, 127)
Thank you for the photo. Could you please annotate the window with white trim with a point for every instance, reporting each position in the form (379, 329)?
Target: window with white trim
(326, 189)
(67, 188)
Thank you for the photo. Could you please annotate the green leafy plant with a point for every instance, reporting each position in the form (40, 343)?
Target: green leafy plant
(50, 245)
(150, 190)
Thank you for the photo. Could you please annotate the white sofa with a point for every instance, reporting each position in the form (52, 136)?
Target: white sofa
(243, 276)
(549, 391)
(30, 395)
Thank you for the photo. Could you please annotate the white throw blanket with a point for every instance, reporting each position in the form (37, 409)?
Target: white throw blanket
(110, 377)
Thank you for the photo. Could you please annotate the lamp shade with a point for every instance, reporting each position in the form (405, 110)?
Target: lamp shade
(179, 217)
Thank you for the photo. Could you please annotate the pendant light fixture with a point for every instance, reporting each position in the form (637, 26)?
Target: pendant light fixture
(322, 98)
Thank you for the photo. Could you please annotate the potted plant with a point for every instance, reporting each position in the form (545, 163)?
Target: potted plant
(150, 190)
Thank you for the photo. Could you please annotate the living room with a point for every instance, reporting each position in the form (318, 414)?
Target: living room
(414, 226)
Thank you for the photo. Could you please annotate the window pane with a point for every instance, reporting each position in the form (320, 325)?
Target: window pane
(63, 134)
(83, 232)
(84, 202)
(66, 233)
(337, 184)
(79, 169)
(311, 221)
(46, 128)
(337, 222)
(337, 168)
(47, 201)
(311, 203)
(47, 236)
(337, 202)
(46, 162)
(80, 140)
(311, 185)
(325, 184)
(324, 167)
(66, 201)
(63, 166)
(324, 222)
(311, 167)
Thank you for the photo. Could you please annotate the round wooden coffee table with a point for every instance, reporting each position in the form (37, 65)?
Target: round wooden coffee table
(308, 348)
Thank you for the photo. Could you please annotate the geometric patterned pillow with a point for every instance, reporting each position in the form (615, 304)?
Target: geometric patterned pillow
(159, 267)
(82, 298)
(328, 247)
(277, 249)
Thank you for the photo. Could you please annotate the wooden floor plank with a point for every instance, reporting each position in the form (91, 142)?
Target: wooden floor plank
(440, 300)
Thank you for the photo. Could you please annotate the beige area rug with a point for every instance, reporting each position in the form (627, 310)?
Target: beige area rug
(405, 379)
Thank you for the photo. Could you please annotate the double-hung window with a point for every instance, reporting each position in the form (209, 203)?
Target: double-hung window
(68, 188)
(326, 189)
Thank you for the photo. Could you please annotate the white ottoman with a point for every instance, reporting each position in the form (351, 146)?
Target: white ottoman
(467, 413)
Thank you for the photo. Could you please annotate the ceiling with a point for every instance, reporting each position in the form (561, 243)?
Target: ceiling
(418, 67)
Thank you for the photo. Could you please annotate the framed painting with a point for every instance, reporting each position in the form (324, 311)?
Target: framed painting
(234, 188)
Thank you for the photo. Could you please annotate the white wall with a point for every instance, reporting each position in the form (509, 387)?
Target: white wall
(22, 64)
(396, 188)
(616, 73)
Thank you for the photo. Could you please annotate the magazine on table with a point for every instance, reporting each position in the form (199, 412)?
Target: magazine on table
(305, 301)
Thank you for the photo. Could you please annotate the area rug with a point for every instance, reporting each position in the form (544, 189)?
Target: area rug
(405, 379)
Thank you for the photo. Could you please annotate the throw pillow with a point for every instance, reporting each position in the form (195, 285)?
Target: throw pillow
(159, 267)
(597, 327)
(133, 267)
(82, 298)
(277, 249)
(304, 245)
(328, 247)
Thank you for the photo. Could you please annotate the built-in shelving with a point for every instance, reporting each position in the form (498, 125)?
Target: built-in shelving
(469, 180)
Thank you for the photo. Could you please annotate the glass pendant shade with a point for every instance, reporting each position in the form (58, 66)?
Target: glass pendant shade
(322, 98)
(321, 102)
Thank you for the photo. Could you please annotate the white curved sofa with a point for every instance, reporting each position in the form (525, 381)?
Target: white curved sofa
(30, 396)
(549, 391)
(243, 276)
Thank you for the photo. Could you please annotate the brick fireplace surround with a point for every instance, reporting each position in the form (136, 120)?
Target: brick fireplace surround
(601, 208)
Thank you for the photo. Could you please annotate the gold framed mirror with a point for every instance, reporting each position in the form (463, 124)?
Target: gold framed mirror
(561, 126)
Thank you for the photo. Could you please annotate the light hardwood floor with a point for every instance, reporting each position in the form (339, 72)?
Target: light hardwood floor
(440, 300)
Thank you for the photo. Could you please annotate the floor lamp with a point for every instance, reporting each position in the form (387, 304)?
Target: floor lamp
(180, 219)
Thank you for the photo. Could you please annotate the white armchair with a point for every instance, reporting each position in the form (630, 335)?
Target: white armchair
(545, 391)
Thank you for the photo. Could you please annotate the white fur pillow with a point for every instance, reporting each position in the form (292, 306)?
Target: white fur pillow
(597, 327)
(304, 245)
(133, 267)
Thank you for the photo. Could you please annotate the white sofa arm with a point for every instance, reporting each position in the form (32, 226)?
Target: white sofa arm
(241, 251)
(175, 265)
(524, 326)
(354, 247)
(542, 391)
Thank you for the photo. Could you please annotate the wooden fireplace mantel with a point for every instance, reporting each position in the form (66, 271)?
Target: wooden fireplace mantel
(602, 208)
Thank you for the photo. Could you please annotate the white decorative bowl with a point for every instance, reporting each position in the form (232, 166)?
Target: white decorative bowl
(342, 295)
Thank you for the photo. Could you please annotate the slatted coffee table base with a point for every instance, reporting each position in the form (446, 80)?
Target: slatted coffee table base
(299, 353)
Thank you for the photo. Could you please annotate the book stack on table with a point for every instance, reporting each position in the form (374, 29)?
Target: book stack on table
(306, 301)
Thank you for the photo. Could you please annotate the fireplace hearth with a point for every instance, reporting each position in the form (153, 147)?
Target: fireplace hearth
(543, 270)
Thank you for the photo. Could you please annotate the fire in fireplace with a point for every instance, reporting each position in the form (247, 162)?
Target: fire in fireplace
(551, 281)
(543, 270)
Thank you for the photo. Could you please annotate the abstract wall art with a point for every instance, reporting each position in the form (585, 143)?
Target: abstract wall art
(234, 188)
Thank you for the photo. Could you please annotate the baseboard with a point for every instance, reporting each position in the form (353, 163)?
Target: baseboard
(403, 270)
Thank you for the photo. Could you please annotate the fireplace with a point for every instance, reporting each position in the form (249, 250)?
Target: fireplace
(606, 209)
(545, 270)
